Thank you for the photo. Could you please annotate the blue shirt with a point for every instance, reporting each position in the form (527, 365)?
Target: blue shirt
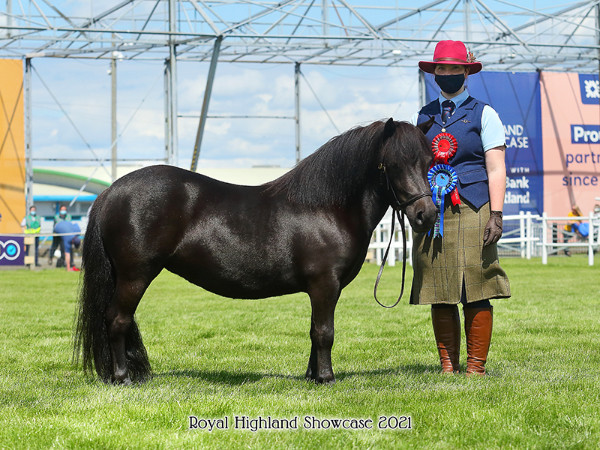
(492, 130)
(67, 227)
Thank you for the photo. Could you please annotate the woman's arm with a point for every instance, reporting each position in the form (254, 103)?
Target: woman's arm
(496, 172)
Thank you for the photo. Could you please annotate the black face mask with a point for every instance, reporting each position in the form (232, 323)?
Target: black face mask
(450, 83)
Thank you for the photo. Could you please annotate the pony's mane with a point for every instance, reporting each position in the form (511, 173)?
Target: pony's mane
(336, 173)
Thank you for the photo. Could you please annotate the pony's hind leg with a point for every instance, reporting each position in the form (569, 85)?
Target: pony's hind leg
(323, 298)
(129, 357)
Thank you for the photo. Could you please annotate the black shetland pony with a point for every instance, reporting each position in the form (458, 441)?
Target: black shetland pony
(307, 231)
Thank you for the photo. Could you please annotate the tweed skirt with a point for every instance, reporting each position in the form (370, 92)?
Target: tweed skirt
(443, 267)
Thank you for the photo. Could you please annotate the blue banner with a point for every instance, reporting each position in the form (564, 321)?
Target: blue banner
(12, 251)
(516, 98)
(590, 89)
(585, 134)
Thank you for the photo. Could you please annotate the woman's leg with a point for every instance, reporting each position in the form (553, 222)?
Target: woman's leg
(446, 328)
(478, 329)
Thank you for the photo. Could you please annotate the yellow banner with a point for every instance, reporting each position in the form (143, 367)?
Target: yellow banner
(12, 146)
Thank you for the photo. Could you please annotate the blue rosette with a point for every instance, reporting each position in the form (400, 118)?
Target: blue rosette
(442, 180)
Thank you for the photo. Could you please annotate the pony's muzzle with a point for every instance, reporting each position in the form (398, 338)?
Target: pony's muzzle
(422, 214)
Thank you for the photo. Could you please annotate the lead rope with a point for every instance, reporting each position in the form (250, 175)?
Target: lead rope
(401, 207)
(401, 219)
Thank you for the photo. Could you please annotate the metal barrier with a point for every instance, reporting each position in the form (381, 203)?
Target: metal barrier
(520, 238)
(381, 239)
(525, 235)
(550, 245)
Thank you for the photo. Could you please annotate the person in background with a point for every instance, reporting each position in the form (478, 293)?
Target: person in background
(70, 239)
(56, 240)
(575, 212)
(457, 262)
(571, 227)
(32, 224)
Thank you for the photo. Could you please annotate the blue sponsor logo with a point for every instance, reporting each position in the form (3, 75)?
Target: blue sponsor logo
(585, 134)
(590, 89)
(10, 251)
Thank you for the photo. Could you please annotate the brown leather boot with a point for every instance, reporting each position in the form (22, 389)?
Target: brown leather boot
(446, 328)
(478, 328)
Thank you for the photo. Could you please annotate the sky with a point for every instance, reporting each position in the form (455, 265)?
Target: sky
(71, 107)
(64, 110)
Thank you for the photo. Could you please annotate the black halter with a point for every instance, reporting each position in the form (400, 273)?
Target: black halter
(397, 206)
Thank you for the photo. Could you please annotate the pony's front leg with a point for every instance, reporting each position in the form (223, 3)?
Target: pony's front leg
(323, 302)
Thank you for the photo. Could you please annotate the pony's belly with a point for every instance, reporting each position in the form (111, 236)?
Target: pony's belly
(239, 280)
(266, 258)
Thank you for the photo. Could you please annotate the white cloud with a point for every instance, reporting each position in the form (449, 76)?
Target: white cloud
(218, 128)
(145, 123)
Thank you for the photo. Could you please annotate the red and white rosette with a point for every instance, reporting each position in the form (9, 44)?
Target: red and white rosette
(444, 147)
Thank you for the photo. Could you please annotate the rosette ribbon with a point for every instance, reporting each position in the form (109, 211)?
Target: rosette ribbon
(442, 180)
(444, 147)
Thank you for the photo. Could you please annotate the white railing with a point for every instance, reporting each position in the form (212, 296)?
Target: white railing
(521, 238)
(526, 235)
(551, 246)
(381, 239)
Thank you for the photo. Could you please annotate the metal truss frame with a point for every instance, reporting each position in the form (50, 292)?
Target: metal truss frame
(386, 33)
(383, 33)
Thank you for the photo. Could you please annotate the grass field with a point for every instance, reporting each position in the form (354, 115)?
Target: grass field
(216, 358)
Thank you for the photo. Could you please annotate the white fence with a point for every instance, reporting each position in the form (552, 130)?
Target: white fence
(524, 235)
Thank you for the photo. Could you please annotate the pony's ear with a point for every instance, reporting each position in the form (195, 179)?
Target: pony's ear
(389, 129)
(425, 126)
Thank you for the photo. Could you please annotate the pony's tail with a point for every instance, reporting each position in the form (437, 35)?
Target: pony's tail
(96, 292)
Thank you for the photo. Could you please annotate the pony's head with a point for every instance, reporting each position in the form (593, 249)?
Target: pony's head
(406, 159)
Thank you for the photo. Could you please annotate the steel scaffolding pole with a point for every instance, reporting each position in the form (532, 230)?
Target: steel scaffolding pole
(172, 156)
(467, 20)
(28, 148)
(168, 127)
(297, 110)
(113, 117)
(207, 93)
(422, 88)
(598, 36)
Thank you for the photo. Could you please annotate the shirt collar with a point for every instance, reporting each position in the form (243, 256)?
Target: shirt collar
(458, 100)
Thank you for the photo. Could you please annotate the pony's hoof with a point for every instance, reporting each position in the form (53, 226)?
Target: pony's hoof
(323, 379)
(122, 381)
(308, 375)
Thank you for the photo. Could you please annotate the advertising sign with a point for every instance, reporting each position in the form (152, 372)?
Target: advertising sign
(571, 123)
(12, 146)
(12, 251)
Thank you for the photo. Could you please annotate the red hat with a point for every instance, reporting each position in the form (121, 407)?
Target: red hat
(451, 52)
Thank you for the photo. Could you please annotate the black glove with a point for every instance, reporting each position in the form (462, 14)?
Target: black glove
(493, 228)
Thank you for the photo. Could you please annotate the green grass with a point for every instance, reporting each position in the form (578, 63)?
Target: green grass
(215, 358)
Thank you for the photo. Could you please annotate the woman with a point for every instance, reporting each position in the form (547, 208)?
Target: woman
(457, 262)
